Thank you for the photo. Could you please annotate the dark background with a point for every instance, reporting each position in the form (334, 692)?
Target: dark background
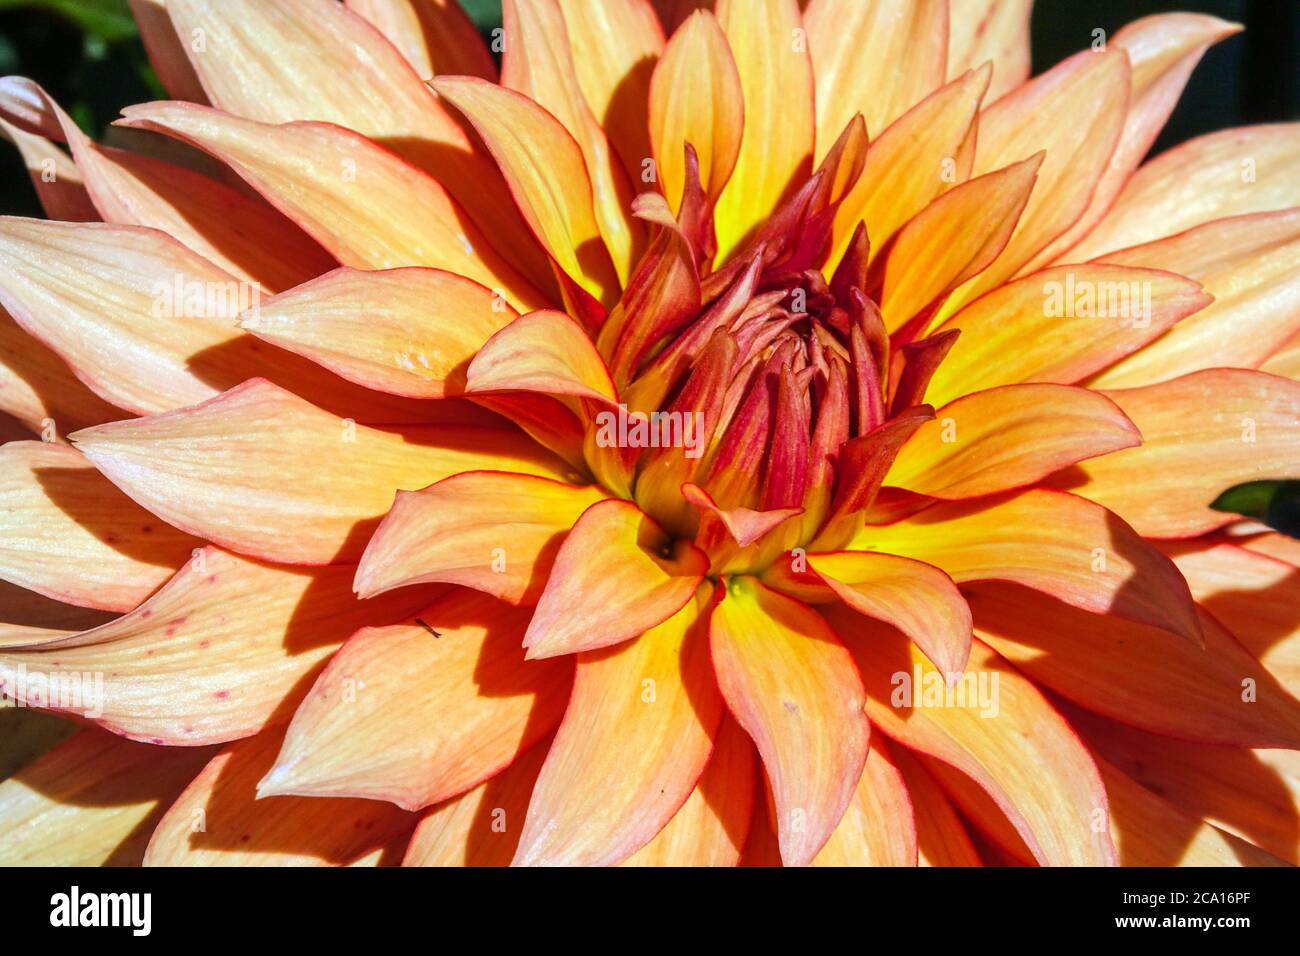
(87, 54)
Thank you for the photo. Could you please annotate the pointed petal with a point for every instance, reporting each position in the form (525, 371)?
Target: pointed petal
(1032, 329)
(941, 837)
(1251, 265)
(92, 801)
(211, 656)
(926, 137)
(435, 36)
(997, 30)
(286, 60)
(243, 470)
(29, 618)
(539, 63)
(712, 825)
(58, 182)
(237, 829)
(1201, 433)
(877, 59)
(1055, 113)
(491, 531)
(166, 51)
(878, 828)
(405, 331)
(481, 827)
(918, 599)
(696, 98)
(545, 352)
(423, 710)
(789, 681)
(68, 533)
(1061, 545)
(1008, 437)
(776, 78)
(1229, 173)
(615, 46)
(953, 239)
(1162, 50)
(616, 575)
(637, 733)
(544, 168)
(1140, 675)
(1002, 742)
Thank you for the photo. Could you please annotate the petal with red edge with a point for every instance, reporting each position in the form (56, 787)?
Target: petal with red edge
(243, 470)
(435, 36)
(545, 352)
(878, 828)
(941, 837)
(791, 684)
(996, 30)
(616, 575)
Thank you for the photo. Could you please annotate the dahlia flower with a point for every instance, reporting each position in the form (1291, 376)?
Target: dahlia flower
(756, 432)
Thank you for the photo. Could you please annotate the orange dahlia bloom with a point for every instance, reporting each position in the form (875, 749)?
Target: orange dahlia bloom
(759, 432)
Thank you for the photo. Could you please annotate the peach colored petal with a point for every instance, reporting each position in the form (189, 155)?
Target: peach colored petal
(1009, 437)
(878, 59)
(1032, 329)
(91, 801)
(1285, 361)
(712, 825)
(481, 827)
(940, 835)
(616, 575)
(28, 618)
(1280, 546)
(545, 352)
(1137, 674)
(1201, 433)
(1251, 265)
(1003, 742)
(548, 178)
(244, 470)
(878, 828)
(166, 50)
(213, 655)
(996, 30)
(366, 206)
(1228, 173)
(790, 683)
(776, 80)
(635, 738)
(63, 194)
(540, 65)
(408, 331)
(68, 533)
(492, 531)
(1056, 543)
(218, 820)
(421, 711)
(435, 36)
(696, 98)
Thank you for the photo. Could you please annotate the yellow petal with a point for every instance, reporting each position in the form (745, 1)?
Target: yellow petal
(712, 825)
(996, 30)
(218, 820)
(637, 733)
(1060, 325)
(1059, 544)
(790, 683)
(212, 656)
(776, 80)
(540, 65)
(696, 98)
(421, 711)
(491, 531)
(1002, 742)
(245, 470)
(1008, 437)
(68, 533)
(544, 167)
(1229, 173)
(92, 801)
(878, 59)
(878, 828)
(1251, 265)
(616, 575)
(1201, 433)
(405, 331)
